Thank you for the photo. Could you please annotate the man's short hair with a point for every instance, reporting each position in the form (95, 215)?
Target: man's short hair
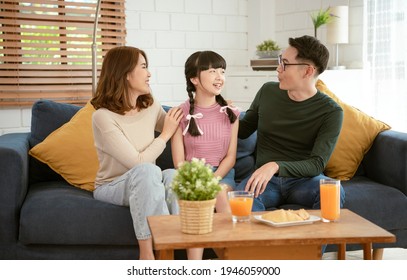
(311, 49)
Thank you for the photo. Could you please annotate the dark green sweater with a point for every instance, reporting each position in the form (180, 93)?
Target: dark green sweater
(298, 136)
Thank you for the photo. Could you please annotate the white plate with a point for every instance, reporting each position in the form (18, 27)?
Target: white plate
(310, 220)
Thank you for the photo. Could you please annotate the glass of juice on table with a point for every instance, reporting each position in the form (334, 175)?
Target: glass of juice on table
(330, 199)
(241, 203)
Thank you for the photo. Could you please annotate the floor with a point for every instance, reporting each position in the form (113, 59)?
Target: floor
(388, 254)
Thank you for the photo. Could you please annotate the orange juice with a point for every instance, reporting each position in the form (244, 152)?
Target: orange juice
(241, 203)
(330, 206)
(241, 206)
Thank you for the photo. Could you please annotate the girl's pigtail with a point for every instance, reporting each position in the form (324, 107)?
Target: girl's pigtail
(222, 102)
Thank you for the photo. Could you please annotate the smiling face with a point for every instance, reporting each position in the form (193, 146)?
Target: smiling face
(205, 73)
(139, 78)
(210, 81)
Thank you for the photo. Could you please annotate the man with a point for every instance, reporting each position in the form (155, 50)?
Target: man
(297, 129)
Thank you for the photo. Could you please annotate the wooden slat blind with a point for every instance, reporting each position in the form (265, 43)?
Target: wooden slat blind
(46, 48)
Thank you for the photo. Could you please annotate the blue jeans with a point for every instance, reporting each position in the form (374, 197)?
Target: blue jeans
(286, 190)
(142, 189)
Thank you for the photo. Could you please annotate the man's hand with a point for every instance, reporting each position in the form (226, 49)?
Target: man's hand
(259, 179)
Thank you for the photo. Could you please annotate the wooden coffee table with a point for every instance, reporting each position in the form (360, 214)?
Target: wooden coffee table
(256, 240)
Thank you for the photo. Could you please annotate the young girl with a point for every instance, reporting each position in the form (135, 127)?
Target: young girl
(123, 126)
(209, 127)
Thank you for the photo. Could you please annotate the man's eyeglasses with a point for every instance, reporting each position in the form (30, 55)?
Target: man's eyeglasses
(284, 64)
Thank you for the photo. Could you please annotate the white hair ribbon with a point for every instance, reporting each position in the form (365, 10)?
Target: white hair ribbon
(189, 117)
(223, 109)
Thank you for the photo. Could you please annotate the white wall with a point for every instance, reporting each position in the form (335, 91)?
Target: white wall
(292, 19)
(170, 30)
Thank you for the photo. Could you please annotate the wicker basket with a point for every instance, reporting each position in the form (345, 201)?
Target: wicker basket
(196, 216)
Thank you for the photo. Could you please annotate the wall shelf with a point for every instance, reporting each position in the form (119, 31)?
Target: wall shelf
(264, 64)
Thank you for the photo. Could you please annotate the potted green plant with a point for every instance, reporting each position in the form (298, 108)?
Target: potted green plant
(320, 18)
(196, 188)
(268, 48)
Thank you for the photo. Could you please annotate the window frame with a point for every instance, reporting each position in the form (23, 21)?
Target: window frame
(46, 48)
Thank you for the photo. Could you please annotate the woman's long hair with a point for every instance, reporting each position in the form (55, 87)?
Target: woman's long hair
(112, 89)
(195, 64)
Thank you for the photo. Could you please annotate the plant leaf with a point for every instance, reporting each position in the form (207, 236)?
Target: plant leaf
(322, 17)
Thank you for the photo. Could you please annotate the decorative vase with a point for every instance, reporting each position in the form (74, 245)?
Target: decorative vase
(196, 216)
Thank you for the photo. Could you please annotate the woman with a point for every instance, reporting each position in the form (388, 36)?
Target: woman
(123, 125)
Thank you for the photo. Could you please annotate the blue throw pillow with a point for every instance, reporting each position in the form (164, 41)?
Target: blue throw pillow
(46, 116)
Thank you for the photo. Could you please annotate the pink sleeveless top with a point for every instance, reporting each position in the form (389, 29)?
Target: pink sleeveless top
(213, 143)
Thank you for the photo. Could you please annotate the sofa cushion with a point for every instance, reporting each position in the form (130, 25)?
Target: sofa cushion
(58, 213)
(46, 116)
(244, 167)
(376, 202)
(355, 139)
(164, 161)
(246, 147)
(70, 150)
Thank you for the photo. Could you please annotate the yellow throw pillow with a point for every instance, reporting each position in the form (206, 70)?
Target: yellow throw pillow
(70, 150)
(355, 139)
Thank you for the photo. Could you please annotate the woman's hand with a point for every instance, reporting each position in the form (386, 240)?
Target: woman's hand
(171, 122)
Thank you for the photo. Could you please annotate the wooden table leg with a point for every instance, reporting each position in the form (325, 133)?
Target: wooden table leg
(342, 251)
(219, 252)
(164, 255)
(378, 254)
(367, 251)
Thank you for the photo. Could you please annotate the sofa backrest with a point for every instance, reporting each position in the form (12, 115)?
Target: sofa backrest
(48, 116)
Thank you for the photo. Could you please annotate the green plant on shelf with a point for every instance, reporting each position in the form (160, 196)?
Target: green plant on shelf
(268, 45)
(268, 48)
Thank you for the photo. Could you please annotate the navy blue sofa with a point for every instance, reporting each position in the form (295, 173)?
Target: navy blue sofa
(44, 217)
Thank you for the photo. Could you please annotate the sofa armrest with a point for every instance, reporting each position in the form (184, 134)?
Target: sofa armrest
(386, 161)
(14, 162)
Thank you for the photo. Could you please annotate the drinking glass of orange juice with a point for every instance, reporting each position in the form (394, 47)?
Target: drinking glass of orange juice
(241, 203)
(330, 199)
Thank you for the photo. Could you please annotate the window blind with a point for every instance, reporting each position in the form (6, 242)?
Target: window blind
(46, 48)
